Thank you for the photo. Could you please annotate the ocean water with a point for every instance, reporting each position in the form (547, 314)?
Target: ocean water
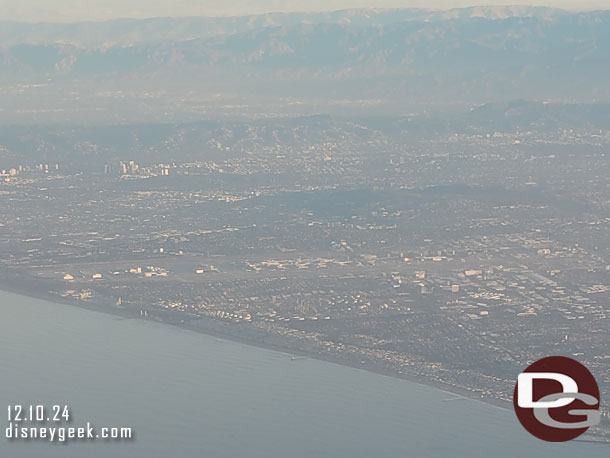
(190, 395)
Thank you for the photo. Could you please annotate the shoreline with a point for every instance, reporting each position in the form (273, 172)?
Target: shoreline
(455, 392)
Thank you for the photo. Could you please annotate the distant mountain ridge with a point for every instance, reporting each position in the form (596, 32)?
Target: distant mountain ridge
(94, 145)
(129, 32)
(403, 58)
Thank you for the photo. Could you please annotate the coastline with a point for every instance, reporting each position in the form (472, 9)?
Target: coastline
(216, 330)
(454, 393)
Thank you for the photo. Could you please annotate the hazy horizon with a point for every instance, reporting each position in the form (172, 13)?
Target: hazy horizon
(98, 10)
(415, 190)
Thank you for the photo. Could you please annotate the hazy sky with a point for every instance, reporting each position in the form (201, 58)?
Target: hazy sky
(70, 10)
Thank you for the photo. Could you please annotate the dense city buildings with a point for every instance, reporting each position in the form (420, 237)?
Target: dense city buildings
(455, 260)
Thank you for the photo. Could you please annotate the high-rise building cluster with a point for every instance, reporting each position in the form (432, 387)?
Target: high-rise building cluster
(122, 168)
(14, 171)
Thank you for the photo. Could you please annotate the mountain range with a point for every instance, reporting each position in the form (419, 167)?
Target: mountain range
(383, 58)
(128, 32)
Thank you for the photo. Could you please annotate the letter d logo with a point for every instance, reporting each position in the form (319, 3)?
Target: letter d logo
(526, 389)
(553, 395)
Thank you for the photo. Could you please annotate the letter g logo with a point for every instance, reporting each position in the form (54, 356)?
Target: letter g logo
(557, 399)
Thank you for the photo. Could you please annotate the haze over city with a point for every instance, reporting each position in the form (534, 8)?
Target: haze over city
(247, 232)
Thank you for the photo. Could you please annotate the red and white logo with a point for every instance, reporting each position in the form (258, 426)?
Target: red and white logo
(557, 399)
